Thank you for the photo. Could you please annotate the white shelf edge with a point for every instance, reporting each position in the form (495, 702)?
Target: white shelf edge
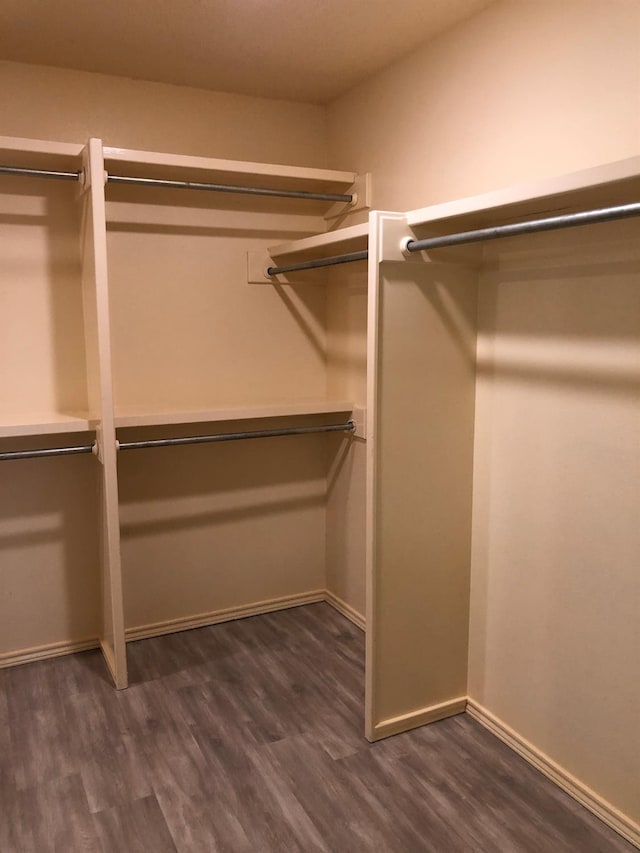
(309, 175)
(547, 188)
(231, 167)
(39, 146)
(129, 418)
(49, 424)
(259, 261)
(322, 241)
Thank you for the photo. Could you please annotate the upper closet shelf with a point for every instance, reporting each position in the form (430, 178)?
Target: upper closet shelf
(339, 192)
(180, 167)
(43, 423)
(132, 417)
(341, 241)
(39, 154)
(603, 186)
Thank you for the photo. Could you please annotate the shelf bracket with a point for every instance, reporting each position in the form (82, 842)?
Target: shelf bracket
(97, 449)
(397, 233)
(361, 192)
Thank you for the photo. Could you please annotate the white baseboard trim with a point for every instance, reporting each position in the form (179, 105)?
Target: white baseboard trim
(345, 609)
(414, 719)
(52, 650)
(170, 626)
(622, 824)
(213, 617)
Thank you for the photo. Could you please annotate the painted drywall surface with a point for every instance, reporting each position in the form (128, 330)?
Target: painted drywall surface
(48, 548)
(214, 527)
(423, 487)
(555, 635)
(40, 102)
(48, 535)
(525, 90)
(346, 379)
(346, 523)
(222, 526)
(188, 330)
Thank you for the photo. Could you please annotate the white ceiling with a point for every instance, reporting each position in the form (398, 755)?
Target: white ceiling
(305, 50)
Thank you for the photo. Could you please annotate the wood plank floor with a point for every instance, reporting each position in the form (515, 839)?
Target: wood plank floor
(247, 736)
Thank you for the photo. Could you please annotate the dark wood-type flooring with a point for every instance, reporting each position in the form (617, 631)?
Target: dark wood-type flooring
(247, 736)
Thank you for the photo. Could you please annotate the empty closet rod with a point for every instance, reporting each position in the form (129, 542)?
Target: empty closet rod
(349, 258)
(551, 223)
(235, 436)
(347, 198)
(40, 173)
(229, 188)
(50, 451)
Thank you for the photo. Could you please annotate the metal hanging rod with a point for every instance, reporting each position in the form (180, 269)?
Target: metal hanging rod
(229, 188)
(349, 258)
(40, 173)
(50, 451)
(347, 198)
(235, 436)
(551, 223)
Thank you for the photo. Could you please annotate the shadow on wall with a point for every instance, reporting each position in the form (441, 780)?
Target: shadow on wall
(64, 276)
(564, 309)
(49, 549)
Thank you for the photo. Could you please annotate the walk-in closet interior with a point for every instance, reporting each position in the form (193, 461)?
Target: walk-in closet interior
(368, 337)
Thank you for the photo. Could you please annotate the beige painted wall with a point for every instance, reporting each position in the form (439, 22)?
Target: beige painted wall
(555, 634)
(524, 90)
(347, 379)
(70, 106)
(48, 507)
(222, 526)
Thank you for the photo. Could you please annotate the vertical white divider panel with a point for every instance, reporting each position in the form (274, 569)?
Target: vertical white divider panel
(420, 420)
(100, 391)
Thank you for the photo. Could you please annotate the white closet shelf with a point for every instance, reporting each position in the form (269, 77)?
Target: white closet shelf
(44, 423)
(349, 239)
(150, 164)
(611, 184)
(133, 417)
(352, 239)
(40, 154)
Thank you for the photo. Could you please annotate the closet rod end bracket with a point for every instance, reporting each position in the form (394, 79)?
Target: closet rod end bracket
(258, 262)
(360, 193)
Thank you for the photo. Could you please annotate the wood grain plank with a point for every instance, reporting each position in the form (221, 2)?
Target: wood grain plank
(137, 827)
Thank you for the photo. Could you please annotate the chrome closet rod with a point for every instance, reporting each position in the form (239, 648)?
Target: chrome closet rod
(228, 188)
(235, 436)
(551, 223)
(40, 173)
(50, 451)
(348, 258)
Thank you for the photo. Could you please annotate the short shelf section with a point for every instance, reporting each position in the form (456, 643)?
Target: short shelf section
(355, 238)
(149, 164)
(601, 186)
(131, 417)
(44, 423)
(40, 154)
